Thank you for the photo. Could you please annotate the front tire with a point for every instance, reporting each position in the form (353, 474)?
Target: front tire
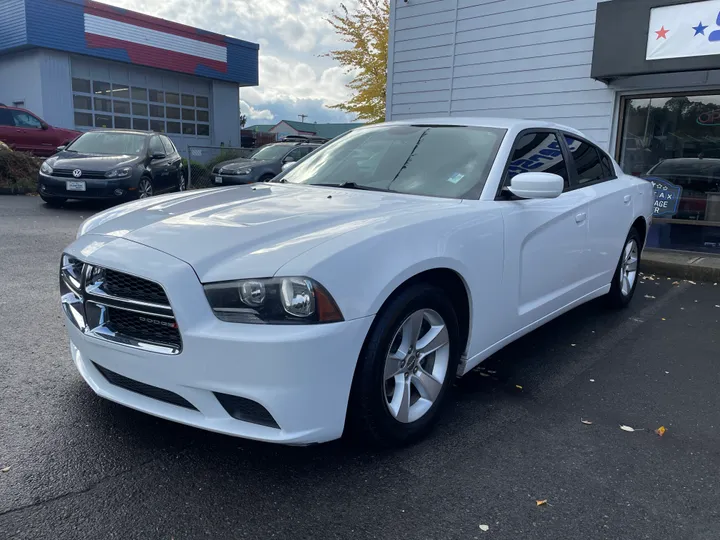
(145, 188)
(266, 178)
(182, 183)
(626, 275)
(406, 368)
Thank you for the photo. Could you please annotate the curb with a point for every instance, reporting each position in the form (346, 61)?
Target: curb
(16, 191)
(681, 264)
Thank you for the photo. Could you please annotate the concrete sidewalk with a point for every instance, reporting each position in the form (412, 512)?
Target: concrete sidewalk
(681, 264)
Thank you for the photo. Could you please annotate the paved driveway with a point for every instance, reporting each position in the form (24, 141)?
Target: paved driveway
(81, 467)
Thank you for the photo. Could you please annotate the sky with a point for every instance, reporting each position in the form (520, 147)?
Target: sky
(292, 34)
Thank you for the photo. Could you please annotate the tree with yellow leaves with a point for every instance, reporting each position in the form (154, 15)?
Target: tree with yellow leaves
(366, 29)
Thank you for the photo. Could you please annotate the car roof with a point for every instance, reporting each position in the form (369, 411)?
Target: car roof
(478, 121)
(133, 131)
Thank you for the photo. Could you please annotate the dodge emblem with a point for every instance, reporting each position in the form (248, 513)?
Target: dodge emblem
(77, 173)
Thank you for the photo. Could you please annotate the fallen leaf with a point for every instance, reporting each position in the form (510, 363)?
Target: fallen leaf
(648, 296)
(572, 344)
(541, 503)
(5, 469)
(661, 431)
(667, 373)
(492, 371)
(626, 428)
(592, 380)
(483, 374)
(692, 283)
(696, 301)
(650, 278)
(484, 528)
(716, 305)
(663, 319)
(676, 283)
(586, 422)
(518, 386)
(714, 283)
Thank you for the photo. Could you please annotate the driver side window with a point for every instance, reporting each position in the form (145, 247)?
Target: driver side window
(537, 152)
(297, 154)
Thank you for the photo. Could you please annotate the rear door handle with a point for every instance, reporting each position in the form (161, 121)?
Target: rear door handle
(627, 199)
(579, 218)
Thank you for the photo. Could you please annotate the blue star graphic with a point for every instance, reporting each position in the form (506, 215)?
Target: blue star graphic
(699, 29)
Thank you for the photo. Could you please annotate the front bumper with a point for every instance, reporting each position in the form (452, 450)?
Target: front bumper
(300, 374)
(51, 186)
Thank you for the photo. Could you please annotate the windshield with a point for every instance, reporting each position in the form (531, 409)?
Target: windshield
(440, 161)
(271, 152)
(109, 143)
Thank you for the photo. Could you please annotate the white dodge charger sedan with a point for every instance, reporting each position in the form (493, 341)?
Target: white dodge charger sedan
(350, 291)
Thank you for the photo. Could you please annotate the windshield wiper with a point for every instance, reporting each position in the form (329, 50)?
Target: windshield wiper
(353, 185)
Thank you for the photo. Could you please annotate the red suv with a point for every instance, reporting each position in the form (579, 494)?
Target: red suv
(21, 130)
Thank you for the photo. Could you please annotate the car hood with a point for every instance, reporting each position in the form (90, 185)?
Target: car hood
(90, 162)
(251, 231)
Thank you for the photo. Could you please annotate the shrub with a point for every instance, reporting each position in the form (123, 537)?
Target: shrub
(19, 170)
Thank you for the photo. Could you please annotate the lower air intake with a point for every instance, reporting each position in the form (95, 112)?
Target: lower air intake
(246, 410)
(144, 389)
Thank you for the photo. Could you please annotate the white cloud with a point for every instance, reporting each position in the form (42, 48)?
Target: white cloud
(292, 34)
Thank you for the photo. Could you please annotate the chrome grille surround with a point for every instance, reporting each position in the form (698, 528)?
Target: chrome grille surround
(88, 305)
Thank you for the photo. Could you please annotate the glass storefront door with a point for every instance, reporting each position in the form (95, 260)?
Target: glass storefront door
(674, 141)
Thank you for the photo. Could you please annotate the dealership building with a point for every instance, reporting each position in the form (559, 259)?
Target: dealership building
(640, 77)
(83, 65)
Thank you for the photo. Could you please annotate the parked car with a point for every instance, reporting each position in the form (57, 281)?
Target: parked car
(112, 164)
(345, 294)
(262, 165)
(21, 130)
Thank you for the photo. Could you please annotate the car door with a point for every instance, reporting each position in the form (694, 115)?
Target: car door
(31, 137)
(173, 159)
(545, 239)
(610, 213)
(159, 166)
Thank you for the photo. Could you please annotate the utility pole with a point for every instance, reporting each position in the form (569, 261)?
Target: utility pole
(302, 117)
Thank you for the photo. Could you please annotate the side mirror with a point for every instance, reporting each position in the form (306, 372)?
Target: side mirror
(61, 148)
(289, 165)
(44, 125)
(288, 159)
(537, 185)
(158, 155)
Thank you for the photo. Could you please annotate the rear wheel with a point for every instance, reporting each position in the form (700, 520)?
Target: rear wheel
(145, 188)
(53, 201)
(625, 279)
(406, 368)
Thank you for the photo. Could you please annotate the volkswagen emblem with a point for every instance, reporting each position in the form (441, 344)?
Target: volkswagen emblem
(77, 173)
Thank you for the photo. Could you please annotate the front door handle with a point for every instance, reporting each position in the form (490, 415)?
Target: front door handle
(579, 218)
(627, 199)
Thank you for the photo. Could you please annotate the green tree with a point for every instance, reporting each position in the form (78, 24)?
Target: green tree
(366, 30)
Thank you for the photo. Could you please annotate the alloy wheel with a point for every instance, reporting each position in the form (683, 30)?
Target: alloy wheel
(182, 186)
(416, 365)
(145, 189)
(628, 267)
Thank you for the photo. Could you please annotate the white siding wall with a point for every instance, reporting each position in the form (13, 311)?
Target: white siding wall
(513, 58)
(20, 80)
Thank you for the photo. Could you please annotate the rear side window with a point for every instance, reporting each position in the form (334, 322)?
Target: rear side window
(608, 165)
(6, 118)
(169, 146)
(538, 152)
(587, 161)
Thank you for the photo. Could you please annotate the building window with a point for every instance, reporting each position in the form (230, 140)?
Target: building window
(81, 85)
(139, 94)
(673, 141)
(106, 105)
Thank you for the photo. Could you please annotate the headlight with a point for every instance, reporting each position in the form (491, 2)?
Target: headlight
(45, 168)
(289, 300)
(119, 173)
(235, 171)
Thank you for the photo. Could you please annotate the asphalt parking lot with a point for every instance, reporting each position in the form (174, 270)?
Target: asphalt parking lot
(80, 467)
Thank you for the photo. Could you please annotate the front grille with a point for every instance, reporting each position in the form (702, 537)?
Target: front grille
(145, 389)
(134, 288)
(118, 307)
(143, 327)
(85, 175)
